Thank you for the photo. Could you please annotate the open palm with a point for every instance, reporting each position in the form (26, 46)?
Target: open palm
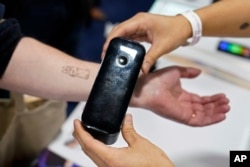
(163, 94)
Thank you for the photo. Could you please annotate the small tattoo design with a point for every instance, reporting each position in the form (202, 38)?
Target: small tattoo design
(76, 72)
(244, 26)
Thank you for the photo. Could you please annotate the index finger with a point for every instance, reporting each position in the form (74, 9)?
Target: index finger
(125, 29)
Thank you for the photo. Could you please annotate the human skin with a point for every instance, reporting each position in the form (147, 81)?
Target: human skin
(167, 33)
(139, 152)
(40, 70)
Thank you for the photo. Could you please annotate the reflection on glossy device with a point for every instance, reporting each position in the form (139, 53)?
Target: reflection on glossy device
(109, 98)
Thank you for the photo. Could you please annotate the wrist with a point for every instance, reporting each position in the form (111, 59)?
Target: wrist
(196, 27)
(185, 31)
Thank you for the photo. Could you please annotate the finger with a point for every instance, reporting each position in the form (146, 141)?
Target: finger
(211, 108)
(114, 33)
(208, 114)
(132, 28)
(128, 29)
(88, 143)
(224, 108)
(200, 120)
(218, 99)
(128, 132)
(150, 58)
(189, 72)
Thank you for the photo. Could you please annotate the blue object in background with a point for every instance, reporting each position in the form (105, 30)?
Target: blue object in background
(91, 39)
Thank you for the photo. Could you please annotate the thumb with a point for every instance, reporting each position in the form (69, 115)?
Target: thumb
(151, 57)
(189, 72)
(128, 132)
(148, 62)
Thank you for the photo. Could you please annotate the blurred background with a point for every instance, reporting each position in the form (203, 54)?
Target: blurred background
(77, 27)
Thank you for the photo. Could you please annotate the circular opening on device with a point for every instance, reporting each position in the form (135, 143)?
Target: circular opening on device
(122, 60)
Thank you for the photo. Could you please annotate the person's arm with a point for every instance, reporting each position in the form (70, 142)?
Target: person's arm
(226, 18)
(139, 152)
(38, 69)
(229, 18)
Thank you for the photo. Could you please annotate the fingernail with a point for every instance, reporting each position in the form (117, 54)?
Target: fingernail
(129, 119)
(146, 67)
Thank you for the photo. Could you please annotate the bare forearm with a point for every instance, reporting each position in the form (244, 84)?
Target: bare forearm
(226, 18)
(40, 70)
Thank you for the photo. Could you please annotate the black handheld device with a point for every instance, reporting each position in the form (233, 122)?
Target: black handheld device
(113, 87)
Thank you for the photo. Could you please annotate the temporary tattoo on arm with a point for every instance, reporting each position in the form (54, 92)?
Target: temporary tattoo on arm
(76, 72)
(244, 26)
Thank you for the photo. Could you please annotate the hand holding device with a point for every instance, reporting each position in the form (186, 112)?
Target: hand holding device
(110, 95)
